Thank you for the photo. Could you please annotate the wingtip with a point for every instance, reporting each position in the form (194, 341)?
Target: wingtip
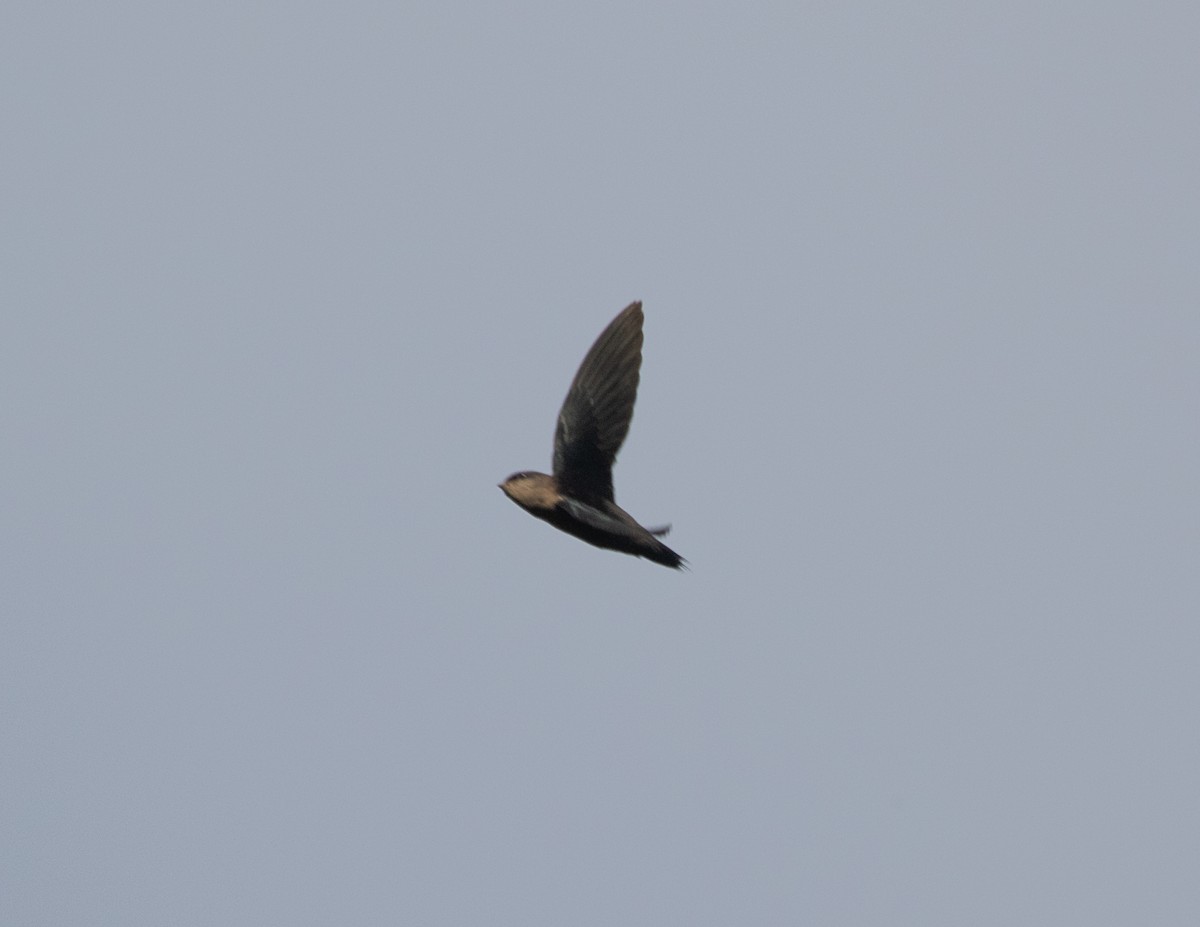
(668, 558)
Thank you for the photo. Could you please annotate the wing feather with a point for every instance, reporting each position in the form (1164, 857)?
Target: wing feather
(595, 416)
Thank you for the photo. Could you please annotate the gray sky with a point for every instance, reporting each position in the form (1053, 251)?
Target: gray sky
(289, 291)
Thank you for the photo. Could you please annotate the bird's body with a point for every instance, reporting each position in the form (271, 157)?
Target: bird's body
(592, 424)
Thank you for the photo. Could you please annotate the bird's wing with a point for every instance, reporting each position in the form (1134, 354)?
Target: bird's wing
(616, 522)
(595, 416)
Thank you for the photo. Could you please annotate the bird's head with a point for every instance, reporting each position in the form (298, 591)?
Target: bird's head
(531, 490)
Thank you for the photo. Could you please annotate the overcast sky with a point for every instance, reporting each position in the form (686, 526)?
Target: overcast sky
(287, 290)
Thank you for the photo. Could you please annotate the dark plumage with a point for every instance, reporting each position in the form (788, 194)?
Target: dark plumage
(592, 425)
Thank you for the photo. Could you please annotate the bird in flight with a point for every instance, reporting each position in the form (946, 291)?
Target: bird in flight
(592, 424)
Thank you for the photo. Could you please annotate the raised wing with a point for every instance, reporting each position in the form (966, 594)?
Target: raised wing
(595, 416)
